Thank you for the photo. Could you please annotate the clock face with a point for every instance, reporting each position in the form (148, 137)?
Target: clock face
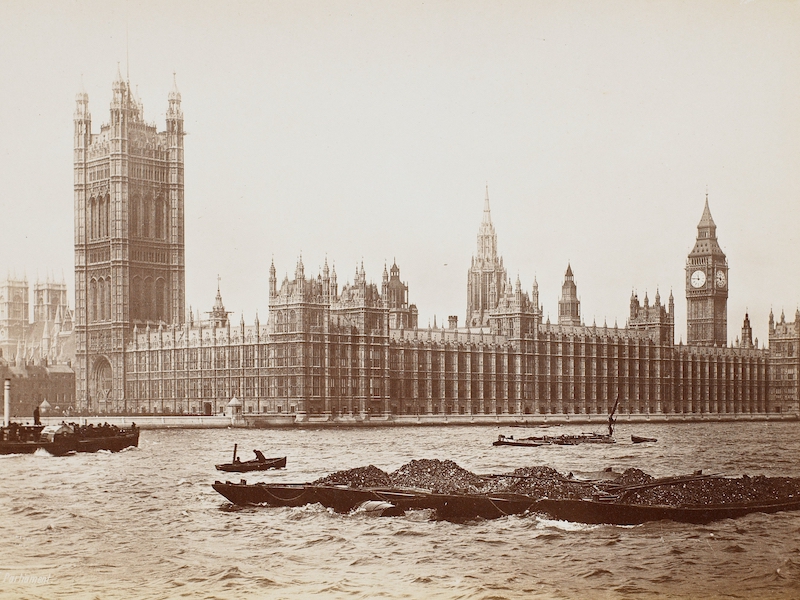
(698, 279)
(720, 279)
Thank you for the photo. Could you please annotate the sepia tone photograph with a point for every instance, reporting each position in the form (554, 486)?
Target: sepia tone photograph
(404, 300)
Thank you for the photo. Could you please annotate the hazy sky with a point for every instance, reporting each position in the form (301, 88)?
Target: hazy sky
(369, 130)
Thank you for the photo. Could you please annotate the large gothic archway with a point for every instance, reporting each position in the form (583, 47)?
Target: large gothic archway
(100, 384)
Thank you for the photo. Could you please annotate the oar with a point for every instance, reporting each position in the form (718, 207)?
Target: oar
(234, 452)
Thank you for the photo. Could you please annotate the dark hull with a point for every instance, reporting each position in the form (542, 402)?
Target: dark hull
(56, 448)
(113, 443)
(459, 507)
(73, 442)
(590, 511)
(253, 465)
(640, 440)
(521, 442)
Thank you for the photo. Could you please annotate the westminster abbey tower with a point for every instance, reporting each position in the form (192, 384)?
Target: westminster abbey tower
(129, 239)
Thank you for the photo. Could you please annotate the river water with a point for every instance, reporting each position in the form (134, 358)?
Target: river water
(145, 523)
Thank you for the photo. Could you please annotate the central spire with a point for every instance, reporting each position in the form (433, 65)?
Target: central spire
(487, 238)
(487, 213)
(487, 276)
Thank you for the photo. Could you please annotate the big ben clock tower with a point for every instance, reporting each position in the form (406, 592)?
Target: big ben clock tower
(707, 287)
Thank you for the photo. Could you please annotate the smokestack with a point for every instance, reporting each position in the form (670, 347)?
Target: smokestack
(7, 403)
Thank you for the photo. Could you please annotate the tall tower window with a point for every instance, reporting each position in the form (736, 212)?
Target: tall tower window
(101, 298)
(105, 215)
(160, 218)
(101, 209)
(148, 299)
(135, 215)
(93, 302)
(160, 298)
(147, 210)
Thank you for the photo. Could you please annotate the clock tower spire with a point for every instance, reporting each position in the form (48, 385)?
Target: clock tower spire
(707, 287)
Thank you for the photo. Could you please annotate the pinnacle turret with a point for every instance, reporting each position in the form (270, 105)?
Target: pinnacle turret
(174, 94)
(174, 112)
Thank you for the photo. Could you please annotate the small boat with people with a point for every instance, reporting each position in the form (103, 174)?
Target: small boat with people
(259, 463)
(63, 438)
(92, 438)
(27, 439)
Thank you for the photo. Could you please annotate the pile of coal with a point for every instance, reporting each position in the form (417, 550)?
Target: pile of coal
(634, 476)
(634, 486)
(361, 477)
(538, 482)
(438, 476)
(715, 490)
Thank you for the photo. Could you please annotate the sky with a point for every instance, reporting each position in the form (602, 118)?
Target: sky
(368, 131)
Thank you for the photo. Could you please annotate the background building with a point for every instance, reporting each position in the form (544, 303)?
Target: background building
(37, 355)
(47, 339)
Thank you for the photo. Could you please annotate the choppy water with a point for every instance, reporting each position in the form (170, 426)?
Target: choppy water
(145, 523)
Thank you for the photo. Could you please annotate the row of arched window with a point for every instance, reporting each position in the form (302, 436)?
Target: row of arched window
(98, 217)
(286, 321)
(149, 299)
(148, 216)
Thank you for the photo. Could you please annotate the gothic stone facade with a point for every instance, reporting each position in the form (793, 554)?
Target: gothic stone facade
(357, 353)
(784, 364)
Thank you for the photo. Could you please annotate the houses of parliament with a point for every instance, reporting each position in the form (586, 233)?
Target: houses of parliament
(331, 352)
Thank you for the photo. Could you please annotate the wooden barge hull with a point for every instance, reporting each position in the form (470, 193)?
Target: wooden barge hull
(461, 507)
(112, 443)
(599, 512)
(64, 444)
(59, 447)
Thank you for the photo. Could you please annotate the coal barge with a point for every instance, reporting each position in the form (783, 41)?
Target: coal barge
(455, 494)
